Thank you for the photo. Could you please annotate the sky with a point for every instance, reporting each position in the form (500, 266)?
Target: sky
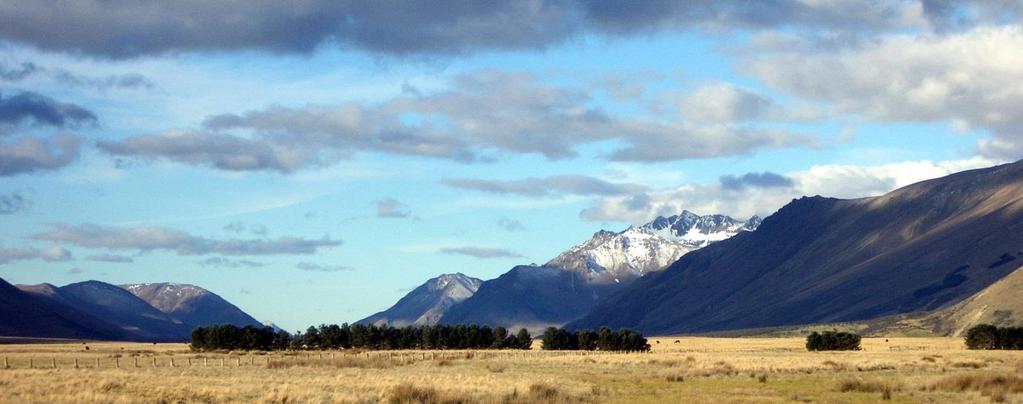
(313, 161)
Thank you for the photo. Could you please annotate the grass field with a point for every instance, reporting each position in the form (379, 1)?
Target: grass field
(936, 370)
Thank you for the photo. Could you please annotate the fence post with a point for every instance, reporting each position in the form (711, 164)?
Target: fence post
(117, 363)
(239, 361)
(221, 362)
(136, 361)
(204, 362)
(172, 362)
(6, 365)
(76, 363)
(189, 362)
(31, 363)
(53, 361)
(154, 361)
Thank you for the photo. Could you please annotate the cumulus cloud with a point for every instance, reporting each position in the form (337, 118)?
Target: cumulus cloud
(832, 180)
(477, 116)
(30, 154)
(725, 102)
(314, 267)
(146, 239)
(969, 79)
(390, 208)
(112, 258)
(27, 107)
(765, 179)
(52, 254)
(131, 29)
(547, 187)
(479, 252)
(229, 263)
(12, 202)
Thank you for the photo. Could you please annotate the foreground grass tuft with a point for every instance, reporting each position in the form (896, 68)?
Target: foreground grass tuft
(994, 386)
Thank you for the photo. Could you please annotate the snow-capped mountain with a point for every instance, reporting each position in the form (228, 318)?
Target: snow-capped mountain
(426, 304)
(621, 256)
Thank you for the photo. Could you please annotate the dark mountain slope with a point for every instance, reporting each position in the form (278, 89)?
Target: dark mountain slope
(118, 306)
(533, 297)
(827, 260)
(24, 314)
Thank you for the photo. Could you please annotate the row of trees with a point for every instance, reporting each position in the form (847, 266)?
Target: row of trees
(832, 341)
(360, 336)
(604, 340)
(986, 336)
(246, 338)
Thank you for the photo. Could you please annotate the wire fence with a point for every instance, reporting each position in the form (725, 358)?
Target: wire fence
(188, 360)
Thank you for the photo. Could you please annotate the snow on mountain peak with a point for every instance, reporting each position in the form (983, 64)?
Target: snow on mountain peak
(610, 256)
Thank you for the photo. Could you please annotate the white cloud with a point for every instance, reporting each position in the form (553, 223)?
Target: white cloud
(831, 180)
(969, 79)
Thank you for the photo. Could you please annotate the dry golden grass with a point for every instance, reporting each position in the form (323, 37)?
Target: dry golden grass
(694, 370)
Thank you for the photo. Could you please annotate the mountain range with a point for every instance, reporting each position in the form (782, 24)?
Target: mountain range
(920, 248)
(566, 287)
(935, 258)
(98, 310)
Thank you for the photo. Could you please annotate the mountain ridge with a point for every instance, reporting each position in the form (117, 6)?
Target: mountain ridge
(426, 304)
(569, 285)
(829, 260)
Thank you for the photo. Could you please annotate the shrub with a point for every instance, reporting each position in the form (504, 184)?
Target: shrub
(407, 393)
(832, 341)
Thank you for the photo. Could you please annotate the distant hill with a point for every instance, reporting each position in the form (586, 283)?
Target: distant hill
(98, 310)
(24, 314)
(426, 304)
(822, 260)
(191, 304)
(116, 306)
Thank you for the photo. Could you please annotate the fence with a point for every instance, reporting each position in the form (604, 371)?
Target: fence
(266, 360)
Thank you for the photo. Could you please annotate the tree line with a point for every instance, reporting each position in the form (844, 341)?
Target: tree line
(832, 341)
(987, 336)
(560, 339)
(333, 336)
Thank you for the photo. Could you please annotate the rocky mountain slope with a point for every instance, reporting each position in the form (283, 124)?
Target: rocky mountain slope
(918, 248)
(426, 304)
(190, 304)
(623, 256)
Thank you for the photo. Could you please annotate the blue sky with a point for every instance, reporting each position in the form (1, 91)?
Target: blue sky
(312, 166)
